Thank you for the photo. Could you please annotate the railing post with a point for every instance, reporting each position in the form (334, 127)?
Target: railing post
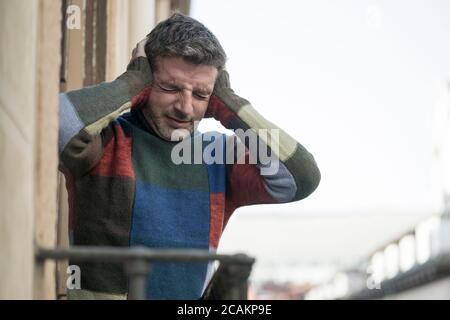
(137, 271)
(230, 282)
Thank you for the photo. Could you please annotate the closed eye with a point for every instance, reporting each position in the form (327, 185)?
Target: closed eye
(201, 96)
(169, 89)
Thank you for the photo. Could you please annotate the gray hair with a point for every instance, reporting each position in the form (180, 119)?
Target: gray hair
(185, 37)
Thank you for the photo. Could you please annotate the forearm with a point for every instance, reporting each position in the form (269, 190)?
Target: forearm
(93, 108)
(296, 163)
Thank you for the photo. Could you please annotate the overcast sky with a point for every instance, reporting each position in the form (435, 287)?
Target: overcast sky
(353, 81)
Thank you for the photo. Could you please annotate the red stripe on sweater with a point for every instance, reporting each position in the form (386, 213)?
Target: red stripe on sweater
(219, 111)
(246, 187)
(116, 159)
(217, 206)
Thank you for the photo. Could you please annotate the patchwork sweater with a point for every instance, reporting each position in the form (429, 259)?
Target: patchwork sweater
(126, 190)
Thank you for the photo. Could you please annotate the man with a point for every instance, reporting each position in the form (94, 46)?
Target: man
(126, 185)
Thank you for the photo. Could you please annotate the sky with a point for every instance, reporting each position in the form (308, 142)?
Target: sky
(355, 82)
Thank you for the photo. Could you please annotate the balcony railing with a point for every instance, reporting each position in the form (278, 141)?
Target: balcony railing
(230, 282)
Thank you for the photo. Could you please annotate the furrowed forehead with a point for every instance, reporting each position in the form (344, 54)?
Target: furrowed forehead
(176, 71)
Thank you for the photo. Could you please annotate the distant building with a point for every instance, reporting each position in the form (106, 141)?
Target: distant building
(416, 265)
(272, 290)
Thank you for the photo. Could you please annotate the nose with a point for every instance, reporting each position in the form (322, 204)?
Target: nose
(184, 104)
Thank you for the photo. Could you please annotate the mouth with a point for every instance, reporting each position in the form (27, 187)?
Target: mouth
(178, 123)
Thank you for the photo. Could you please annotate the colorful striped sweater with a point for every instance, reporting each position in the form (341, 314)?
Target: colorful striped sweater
(124, 189)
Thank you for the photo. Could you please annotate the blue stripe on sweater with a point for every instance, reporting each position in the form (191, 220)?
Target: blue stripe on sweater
(214, 155)
(172, 218)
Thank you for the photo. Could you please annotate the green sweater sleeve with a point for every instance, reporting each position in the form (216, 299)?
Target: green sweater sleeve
(298, 174)
(84, 113)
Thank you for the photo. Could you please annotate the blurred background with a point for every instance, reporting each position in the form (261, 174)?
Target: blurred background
(364, 85)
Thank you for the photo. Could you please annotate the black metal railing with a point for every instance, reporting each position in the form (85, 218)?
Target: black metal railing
(230, 282)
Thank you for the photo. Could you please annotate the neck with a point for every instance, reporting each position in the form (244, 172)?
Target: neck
(143, 124)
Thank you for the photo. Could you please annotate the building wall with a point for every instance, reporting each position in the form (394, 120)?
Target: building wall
(29, 65)
(128, 23)
(46, 141)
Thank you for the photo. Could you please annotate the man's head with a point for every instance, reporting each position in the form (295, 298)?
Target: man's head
(185, 58)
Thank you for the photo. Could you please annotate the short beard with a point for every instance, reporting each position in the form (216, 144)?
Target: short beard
(162, 131)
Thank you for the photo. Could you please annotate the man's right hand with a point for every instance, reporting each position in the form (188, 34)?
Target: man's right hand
(139, 50)
(139, 74)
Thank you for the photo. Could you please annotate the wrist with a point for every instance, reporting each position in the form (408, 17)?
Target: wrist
(138, 75)
(219, 111)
